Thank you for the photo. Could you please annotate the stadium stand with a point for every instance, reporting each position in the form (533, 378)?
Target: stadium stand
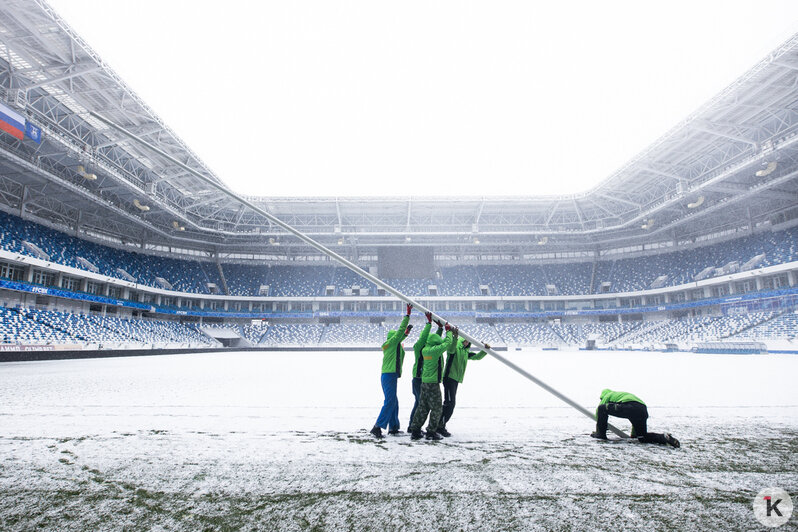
(572, 279)
(533, 334)
(292, 334)
(283, 281)
(253, 333)
(784, 326)
(412, 287)
(681, 267)
(605, 332)
(484, 332)
(701, 329)
(622, 275)
(354, 334)
(512, 280)
(458, 281)
(18, 326)
(34, 326)
(346, 279)
(183, 275)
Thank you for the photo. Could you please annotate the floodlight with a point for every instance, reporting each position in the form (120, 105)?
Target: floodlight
(82, 171)
(696, 203)
(767, 170)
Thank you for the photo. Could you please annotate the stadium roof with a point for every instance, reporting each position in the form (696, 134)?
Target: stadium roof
(731, 165)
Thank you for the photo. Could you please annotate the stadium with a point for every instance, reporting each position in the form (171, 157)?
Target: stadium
(116, 240)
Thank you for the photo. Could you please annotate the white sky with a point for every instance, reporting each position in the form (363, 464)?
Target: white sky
(425, 98)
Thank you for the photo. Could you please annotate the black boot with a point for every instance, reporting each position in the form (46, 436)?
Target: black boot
(670, 440)
(598, 436)
(415, 434)
(394, 432)
(377, 432)
(443, 432)
(433, 436)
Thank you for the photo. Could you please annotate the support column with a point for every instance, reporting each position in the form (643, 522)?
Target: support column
(23, 202)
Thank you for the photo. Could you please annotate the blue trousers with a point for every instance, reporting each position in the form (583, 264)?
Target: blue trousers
(416, 394)
(389, 415)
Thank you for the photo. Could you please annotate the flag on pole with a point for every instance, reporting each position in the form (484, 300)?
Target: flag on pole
(12, 122)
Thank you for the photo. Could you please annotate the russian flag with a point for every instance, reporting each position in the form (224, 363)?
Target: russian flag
(12, 122)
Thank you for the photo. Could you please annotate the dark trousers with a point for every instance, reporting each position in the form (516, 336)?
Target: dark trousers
(449, 394)
(428, 404)
(635, 412)
(416, 394)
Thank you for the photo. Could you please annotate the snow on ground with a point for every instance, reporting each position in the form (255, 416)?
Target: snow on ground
(279, 441)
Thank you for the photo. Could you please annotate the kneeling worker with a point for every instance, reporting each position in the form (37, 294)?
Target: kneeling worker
(631, 407)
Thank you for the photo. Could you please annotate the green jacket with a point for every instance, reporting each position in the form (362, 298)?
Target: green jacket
(418, 346)
(458, 359)
(432, 354)
(393, 354)
(609, 396)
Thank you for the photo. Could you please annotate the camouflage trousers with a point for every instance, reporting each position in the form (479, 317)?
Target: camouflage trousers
(429, 403)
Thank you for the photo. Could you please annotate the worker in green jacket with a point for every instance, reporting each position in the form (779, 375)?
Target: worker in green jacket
(429, 402)
(419, 361)
(631, 407)
(393, 355)
(458, 356)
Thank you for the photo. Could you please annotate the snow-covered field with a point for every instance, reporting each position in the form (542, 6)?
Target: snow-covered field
(279, 441)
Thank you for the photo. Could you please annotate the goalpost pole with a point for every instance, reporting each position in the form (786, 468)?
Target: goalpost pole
(355, 268)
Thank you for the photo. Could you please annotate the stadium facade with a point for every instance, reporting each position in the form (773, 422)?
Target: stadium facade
(106, 242)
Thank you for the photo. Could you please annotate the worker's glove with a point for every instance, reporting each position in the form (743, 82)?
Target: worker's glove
(409, 308)
(439, 323)
(409, 328)
(455, 332)
(429, 316)
(447, 327)
(466, 344)
(485, 345)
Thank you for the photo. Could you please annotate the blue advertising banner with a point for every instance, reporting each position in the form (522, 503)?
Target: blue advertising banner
(33, 132)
